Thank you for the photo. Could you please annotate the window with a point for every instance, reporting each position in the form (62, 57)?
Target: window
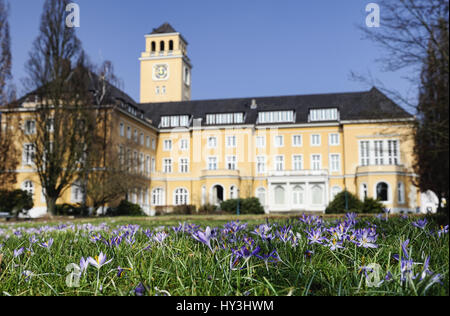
(128, 132)
(28, 154)
(147, 141)
(231, 141)
(142, 139)
(323, 115)
(317, 194)
(141, 163)
(334, 139)
(400, 193)
(279, 141)
(122, 129)
(363, 192)
(153, 144)
(121, 155)
(276, 117)
(378, 152)
(187, 76)
(260, 141)
(212, 163)
(167, 165)
(147, 165)
(298, 195)
(181, 197)
(364, 153)
(153, 47)
(212, 142)
(315, 140)
(335, 191)
(335, 162)
(184, 144)
(153, 166)
(233, 192)
(316, 163)
(30, 127)
(135, 162)
(382, 192)
(28, 187)
(135, 136)
(279, 195)
(297, 140)
(279, 163)
(158, 197)
(224, 118)
(175, 121)
(184, 165)
(261, 195)
(393, 152)
(167, 144)
(261, 164)
(297, 162)
(231, 162)
(161, 46)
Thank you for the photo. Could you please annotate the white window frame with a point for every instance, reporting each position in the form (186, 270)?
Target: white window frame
(167, 145)
(232, 161)
(294, 143)
(276, 163)
(312, 162)
(233, 142)
(262, 163)
(338, 162)
(214, 164)
(158, 197)
(121, 129)
(260, 141)
(212, 144)
(180, 196)
(28, 154)
(275, 141)
(330, 139)
(312, 140)
(183, 165)
(184, 144)
(167, 165)
(294, 162)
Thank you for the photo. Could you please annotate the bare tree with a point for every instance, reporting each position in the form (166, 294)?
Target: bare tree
(8, 152)
(58, 78)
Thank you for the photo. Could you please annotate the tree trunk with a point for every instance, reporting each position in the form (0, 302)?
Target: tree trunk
(51, 206)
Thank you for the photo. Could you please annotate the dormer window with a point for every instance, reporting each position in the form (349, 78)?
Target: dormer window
(224, 118)
(317, 115)
(175, 121)
(276, 117)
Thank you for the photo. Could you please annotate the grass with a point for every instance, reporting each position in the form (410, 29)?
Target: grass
(181, 265)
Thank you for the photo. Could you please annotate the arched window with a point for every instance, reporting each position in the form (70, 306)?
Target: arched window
(363, 192)
(297, 195)
(158, 197)
(28, 186)
(400, 193)
(162, 46)
(279, 195)
(171, 45)
(233, 192)
(181, 197)
(382, 191)
(153, 47)
(317, 194)
(261, 195)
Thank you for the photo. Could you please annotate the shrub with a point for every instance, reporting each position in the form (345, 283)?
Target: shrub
(337, 206)
(207, 209)
(372, 206)
(246, 206)
(126, 208)
(184, 209)
(71, 210)
(15, 202)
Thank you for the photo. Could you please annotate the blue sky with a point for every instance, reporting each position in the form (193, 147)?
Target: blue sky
(239, 48)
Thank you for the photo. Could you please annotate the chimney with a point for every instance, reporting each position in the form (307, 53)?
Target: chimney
(253, 106)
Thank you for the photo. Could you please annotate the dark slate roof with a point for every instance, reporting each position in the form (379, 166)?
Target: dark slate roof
(365, 105)
(163, 29)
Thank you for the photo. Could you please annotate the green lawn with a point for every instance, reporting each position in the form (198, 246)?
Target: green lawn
(238, 262)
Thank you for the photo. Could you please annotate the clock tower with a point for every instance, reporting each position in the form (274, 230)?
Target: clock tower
(165, 67)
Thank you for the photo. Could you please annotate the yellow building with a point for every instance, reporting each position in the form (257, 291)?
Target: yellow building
(294, 153)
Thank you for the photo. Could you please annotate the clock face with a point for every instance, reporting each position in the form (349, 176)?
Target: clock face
(161, 72)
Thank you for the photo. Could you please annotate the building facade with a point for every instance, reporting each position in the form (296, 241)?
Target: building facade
(294, 153)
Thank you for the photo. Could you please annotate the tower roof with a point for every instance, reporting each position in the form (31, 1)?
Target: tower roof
(163, 29)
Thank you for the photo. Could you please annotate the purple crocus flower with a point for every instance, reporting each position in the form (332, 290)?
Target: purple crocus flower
(140, 290)
(263, 231)
(18, 252)
(160, 237)
(204, 237)
(84, 264)
(442, 231)
(47, 244)
(420, 223)
(315, 236)
(98, 261)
